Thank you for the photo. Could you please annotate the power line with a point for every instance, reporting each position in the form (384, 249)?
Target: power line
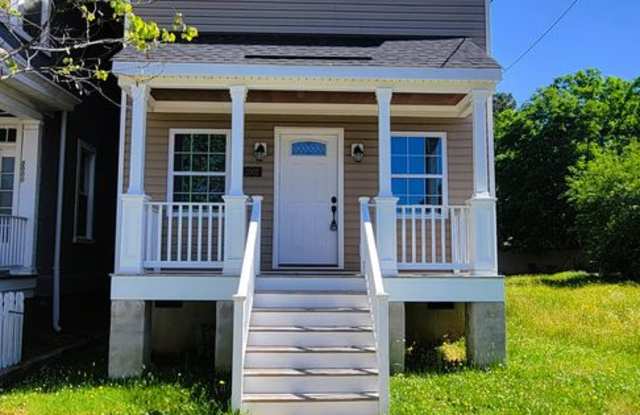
(543, 35)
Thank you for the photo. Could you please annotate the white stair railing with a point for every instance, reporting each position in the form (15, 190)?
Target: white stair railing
(378, 300)
(243, 301)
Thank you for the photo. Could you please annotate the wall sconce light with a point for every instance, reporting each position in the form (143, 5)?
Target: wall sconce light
(357, 152)
(260, 151)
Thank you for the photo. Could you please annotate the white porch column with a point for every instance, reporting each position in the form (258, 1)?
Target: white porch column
(483, 232)
(133, 202)
(235, 220)
(28, 166)
(385, 202)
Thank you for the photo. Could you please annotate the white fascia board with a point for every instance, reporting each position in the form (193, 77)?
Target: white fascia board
(11, 103)
(173, 287)
(445, 289)
(162, 69)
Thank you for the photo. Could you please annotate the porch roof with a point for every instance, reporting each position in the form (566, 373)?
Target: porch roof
(451, 53)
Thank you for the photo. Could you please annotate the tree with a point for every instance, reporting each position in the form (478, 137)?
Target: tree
(538, 145)
(503, 101)
(605, 193)
(72, 41)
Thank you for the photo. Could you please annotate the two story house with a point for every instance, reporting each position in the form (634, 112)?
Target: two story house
(303, 177)
(58, 155)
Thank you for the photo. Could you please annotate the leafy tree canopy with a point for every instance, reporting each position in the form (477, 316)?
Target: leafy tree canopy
(539, 143)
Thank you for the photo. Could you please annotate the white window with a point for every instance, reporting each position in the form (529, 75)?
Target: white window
(85, 190)
(33, 19)
(198, 163)
(419, 168)
(7, 183)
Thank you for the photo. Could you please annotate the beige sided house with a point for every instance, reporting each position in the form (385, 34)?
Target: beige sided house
(315, 180)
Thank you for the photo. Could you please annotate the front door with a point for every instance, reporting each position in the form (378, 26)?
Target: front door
(308, 221)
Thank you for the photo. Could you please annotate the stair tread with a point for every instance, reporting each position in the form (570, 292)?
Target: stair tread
(310, 349)
(273, 372)
(312, 329)
(310, 397)
(311, 292)
(311, 309)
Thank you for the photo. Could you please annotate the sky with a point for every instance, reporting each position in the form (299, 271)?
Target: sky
(602, 34)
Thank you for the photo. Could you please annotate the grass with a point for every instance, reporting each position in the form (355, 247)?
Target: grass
(574, 348)
(78, 385)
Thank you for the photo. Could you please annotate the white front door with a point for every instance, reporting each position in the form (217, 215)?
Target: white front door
(309, 208)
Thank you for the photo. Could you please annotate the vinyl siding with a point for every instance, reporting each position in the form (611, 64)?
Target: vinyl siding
(360, 179)
(447, 18)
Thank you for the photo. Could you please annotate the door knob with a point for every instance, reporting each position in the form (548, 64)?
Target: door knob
(334, 224)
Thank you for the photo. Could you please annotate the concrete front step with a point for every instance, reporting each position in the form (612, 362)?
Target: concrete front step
(312, 298)
(311, 335)
(310, 283)
(365, 403)
(310, 357)
(300, 316)
(329, 380)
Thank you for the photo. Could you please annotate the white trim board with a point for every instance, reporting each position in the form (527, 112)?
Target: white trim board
(448, 111)
(173, 287)
(309, 132)
(159, 69)
(448, 289)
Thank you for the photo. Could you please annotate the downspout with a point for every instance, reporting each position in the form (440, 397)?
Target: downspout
(58, 241)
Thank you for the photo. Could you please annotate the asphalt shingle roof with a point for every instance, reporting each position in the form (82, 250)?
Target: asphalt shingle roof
(430, 53)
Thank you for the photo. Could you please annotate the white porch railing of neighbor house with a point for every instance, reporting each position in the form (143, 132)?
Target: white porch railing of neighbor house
(12, 241)
(378, 301)
(243, 301)
(11, 323)
(433, 237)
(184, 235)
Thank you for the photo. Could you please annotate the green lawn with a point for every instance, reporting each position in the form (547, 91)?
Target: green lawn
(574, 347)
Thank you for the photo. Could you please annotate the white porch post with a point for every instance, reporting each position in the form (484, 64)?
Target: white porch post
(483, 233)
(385, 202)
(235, 220)
(28, 164)
(133, 202)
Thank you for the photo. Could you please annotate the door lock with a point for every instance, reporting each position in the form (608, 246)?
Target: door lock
(334, 208)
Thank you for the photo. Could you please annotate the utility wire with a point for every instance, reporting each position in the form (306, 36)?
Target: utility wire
(543, 35)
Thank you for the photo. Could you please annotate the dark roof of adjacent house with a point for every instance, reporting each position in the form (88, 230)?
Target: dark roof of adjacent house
(424, 53)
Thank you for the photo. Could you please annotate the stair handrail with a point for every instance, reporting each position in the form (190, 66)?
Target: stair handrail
(243, 301)
(378, 300)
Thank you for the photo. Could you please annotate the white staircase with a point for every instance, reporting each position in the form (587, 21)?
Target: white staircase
(310, 347)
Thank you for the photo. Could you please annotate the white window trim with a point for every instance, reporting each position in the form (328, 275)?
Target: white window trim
(44, 15)
(89, 237)
(170, 171)
(445, 162)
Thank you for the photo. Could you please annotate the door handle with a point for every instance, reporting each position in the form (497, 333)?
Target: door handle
(334, 209)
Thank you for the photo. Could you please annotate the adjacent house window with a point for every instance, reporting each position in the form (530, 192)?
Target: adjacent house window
(8, 135)
(198, 166)
(418, 168)
(7, 180)
(33, 16)
(85, 190)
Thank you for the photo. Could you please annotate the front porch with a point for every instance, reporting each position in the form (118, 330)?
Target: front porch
(191, 231)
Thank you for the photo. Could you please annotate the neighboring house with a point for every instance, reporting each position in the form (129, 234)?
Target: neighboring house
(52, 229)
(311, 179)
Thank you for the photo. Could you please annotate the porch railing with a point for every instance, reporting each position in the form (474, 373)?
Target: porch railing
(433, 237)
(184, 235)
(243, 301)
(378, 301)
(12, 241)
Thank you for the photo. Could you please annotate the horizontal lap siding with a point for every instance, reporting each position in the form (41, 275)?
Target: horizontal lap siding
(360, 179)
(459, 18)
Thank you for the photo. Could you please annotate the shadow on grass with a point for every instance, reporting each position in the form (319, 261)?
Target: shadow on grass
(578, 280)
(88, 369)
(436, 358)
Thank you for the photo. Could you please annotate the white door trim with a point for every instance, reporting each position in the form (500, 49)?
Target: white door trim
(304, 131)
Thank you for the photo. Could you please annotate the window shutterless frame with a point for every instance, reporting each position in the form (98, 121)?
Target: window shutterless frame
(90, 178)
(443, 175)
(171, 173)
